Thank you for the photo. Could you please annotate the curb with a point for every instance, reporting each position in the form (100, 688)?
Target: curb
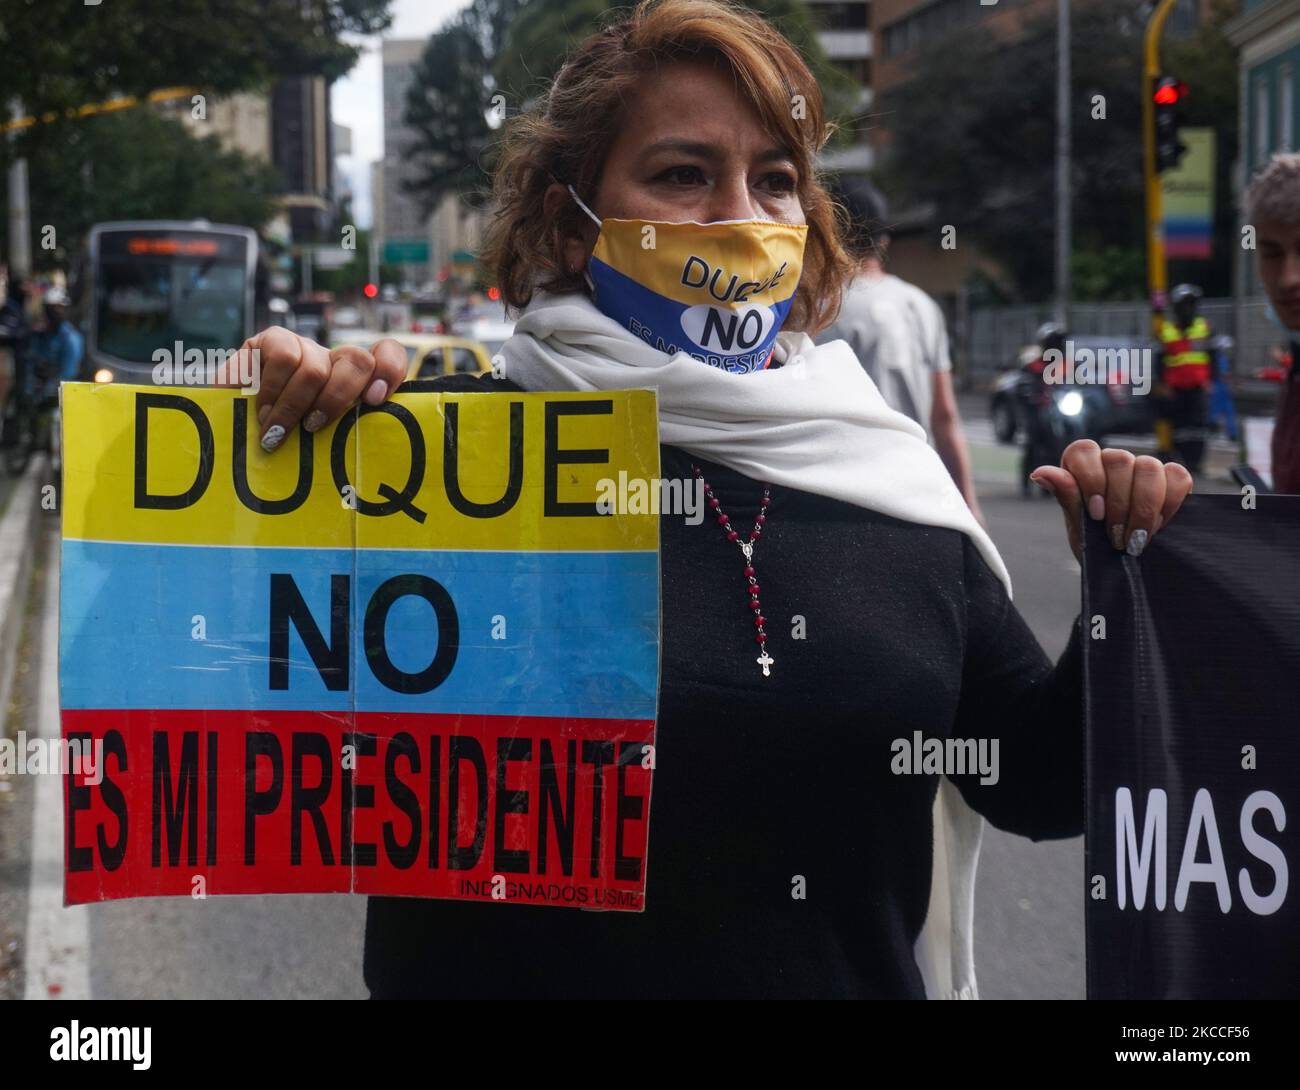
(17, 534)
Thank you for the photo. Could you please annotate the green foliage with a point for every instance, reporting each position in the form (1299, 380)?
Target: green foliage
(974, 135)
(58, 56)
(1111, 273)
(138, 165)
(449, 102)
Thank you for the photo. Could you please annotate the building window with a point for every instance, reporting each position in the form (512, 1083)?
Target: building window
(934, 22)
(841, 16)
(1286, 109)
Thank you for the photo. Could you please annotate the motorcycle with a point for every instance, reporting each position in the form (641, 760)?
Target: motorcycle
(1055, 416)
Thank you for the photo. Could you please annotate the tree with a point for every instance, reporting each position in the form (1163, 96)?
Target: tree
(93, 170)
(974, 134)
(61, 56)
(450, 102)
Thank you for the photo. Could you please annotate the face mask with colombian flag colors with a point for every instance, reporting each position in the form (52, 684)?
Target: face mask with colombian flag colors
(719, 292)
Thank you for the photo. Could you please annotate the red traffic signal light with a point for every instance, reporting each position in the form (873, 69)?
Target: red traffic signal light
(370, 290)
(494, 293)
(1169, 92)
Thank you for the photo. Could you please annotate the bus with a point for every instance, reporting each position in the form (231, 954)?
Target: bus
(154, 284)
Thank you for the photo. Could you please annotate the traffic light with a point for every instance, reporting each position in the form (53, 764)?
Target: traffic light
(370, 290)
(1168, 96)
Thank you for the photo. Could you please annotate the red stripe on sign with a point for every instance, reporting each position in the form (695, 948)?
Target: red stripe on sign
(493, 808)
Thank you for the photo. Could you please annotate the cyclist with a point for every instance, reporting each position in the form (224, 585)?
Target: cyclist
(57, 349)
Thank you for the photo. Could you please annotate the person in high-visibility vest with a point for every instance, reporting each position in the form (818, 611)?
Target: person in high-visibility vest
(1182, 380)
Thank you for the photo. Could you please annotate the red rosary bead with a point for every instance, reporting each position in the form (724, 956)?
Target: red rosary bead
(764, 659)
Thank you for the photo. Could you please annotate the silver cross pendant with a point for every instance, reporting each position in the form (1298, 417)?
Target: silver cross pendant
(765, 660)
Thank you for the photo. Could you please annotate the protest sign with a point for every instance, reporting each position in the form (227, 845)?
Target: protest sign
(406, 655)
(1193, 755)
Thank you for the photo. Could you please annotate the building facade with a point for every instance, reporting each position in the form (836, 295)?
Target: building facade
(403, 234)
(1267, 33)
(844, 33)
(289, 128)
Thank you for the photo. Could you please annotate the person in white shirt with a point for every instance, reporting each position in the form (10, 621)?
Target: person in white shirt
(899, 336)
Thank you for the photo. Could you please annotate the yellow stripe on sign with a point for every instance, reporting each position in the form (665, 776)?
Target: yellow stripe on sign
(425, 471)
(714, 264)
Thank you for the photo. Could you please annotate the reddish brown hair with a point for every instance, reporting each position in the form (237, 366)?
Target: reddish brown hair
(568, 137)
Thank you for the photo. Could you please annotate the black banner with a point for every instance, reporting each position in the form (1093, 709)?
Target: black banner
(1193, 755)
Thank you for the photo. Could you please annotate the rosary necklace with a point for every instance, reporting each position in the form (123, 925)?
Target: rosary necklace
(747, 547)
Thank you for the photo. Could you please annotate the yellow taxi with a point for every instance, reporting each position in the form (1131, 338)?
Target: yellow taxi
(430, 355)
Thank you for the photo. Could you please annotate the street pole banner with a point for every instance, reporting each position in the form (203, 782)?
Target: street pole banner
(1188, 199)
(1193, 755)
(410, 654)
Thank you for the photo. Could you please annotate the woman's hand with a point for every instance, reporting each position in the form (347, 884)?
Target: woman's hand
(1134, 495)
(302, 381)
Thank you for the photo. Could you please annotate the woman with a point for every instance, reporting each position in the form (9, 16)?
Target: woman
(774, 780)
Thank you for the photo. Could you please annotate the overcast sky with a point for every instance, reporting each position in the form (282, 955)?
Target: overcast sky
(357, 100)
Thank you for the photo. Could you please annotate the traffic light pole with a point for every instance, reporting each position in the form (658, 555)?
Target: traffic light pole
(1157, 274)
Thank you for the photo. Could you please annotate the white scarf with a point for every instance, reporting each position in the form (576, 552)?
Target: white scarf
(817, 424)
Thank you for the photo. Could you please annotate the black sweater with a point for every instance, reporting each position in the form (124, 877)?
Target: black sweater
(759, 780)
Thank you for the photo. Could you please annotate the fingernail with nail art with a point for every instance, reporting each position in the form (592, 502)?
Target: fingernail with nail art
(1137, 541)
(273, 438)
(1097, 507)
(315, 420)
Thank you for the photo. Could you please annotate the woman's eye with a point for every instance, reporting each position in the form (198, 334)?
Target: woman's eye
(780, 182)
(682, 176)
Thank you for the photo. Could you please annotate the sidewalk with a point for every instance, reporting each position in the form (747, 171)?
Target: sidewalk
(19, 523)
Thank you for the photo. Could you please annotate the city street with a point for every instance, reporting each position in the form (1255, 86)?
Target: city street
(1029, 912)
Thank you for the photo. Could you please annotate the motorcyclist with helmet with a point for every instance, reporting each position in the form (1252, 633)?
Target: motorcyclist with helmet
(1038, 445)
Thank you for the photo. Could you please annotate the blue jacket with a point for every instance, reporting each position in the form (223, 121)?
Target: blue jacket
(62, 348)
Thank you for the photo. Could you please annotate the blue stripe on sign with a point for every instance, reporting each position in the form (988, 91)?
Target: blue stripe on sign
(580, 630)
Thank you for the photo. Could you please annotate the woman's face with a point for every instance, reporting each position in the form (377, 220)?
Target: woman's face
(691, 148)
